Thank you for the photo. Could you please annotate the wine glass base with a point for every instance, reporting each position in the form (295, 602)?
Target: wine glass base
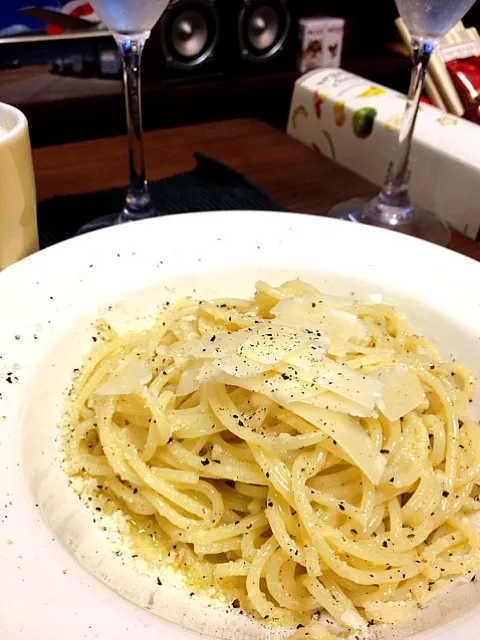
(101, 223)
(424, 224)
(113, 219)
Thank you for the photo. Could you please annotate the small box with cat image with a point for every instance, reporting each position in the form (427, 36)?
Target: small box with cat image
(321, 41)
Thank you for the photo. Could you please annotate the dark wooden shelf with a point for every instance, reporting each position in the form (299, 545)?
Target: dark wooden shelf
(66, 109)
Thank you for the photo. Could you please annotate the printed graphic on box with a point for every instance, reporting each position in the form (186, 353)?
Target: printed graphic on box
(321, 42)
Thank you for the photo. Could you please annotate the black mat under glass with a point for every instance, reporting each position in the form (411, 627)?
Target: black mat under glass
(210, 186)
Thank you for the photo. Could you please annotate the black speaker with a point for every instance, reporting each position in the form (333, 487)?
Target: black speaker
(185, 42)
(266, 35)
(204, 38)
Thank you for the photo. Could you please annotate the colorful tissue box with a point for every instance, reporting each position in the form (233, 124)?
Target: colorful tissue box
(356, 122)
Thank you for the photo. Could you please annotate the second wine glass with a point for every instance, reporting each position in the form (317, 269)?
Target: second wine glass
(427, 21)
(130, 22)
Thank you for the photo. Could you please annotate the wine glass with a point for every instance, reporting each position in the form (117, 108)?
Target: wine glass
(427, 21)
(130, 22)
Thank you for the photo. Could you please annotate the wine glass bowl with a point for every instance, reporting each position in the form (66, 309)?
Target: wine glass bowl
(427, 21)
(129, 17)
(432, 19)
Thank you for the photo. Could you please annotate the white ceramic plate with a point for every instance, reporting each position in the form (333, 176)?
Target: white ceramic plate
(54, 562)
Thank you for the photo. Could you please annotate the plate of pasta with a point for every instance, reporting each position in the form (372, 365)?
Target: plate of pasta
(240, 425)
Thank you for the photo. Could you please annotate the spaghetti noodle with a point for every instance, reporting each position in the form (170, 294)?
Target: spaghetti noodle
(312, 450)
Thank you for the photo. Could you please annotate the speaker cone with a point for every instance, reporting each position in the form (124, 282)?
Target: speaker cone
(263, 29)
(190, 33)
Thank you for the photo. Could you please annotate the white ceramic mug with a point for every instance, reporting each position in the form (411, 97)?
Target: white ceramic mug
(18, 211)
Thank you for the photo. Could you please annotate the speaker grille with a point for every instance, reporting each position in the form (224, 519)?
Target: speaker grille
(189, 34)
(263, 28)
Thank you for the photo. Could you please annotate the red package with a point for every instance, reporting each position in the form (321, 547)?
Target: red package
(426, 100)
(465, 75)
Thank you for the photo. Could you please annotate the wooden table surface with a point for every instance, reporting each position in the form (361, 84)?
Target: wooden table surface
(290, 173)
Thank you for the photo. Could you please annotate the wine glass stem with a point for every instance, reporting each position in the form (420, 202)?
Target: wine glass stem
(395, 188)
(138, 203)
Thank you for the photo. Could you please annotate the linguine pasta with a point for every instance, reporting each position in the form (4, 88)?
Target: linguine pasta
(309, 452)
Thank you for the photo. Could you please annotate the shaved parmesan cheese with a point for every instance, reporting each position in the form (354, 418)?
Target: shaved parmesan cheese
(233, 365)
(188, 382)
(129, 378)
(272, 385)
(284, 389)
(309, 357)
(347, 324)
(329, 400)
(339, 378)
(348, 434)
(271, 344)
(220, 343)
(301, 307)
(339, 325)
(188, 328)
(284, 363)
(402, 392)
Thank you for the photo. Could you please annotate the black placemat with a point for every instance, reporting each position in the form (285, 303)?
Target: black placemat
(211, 186)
